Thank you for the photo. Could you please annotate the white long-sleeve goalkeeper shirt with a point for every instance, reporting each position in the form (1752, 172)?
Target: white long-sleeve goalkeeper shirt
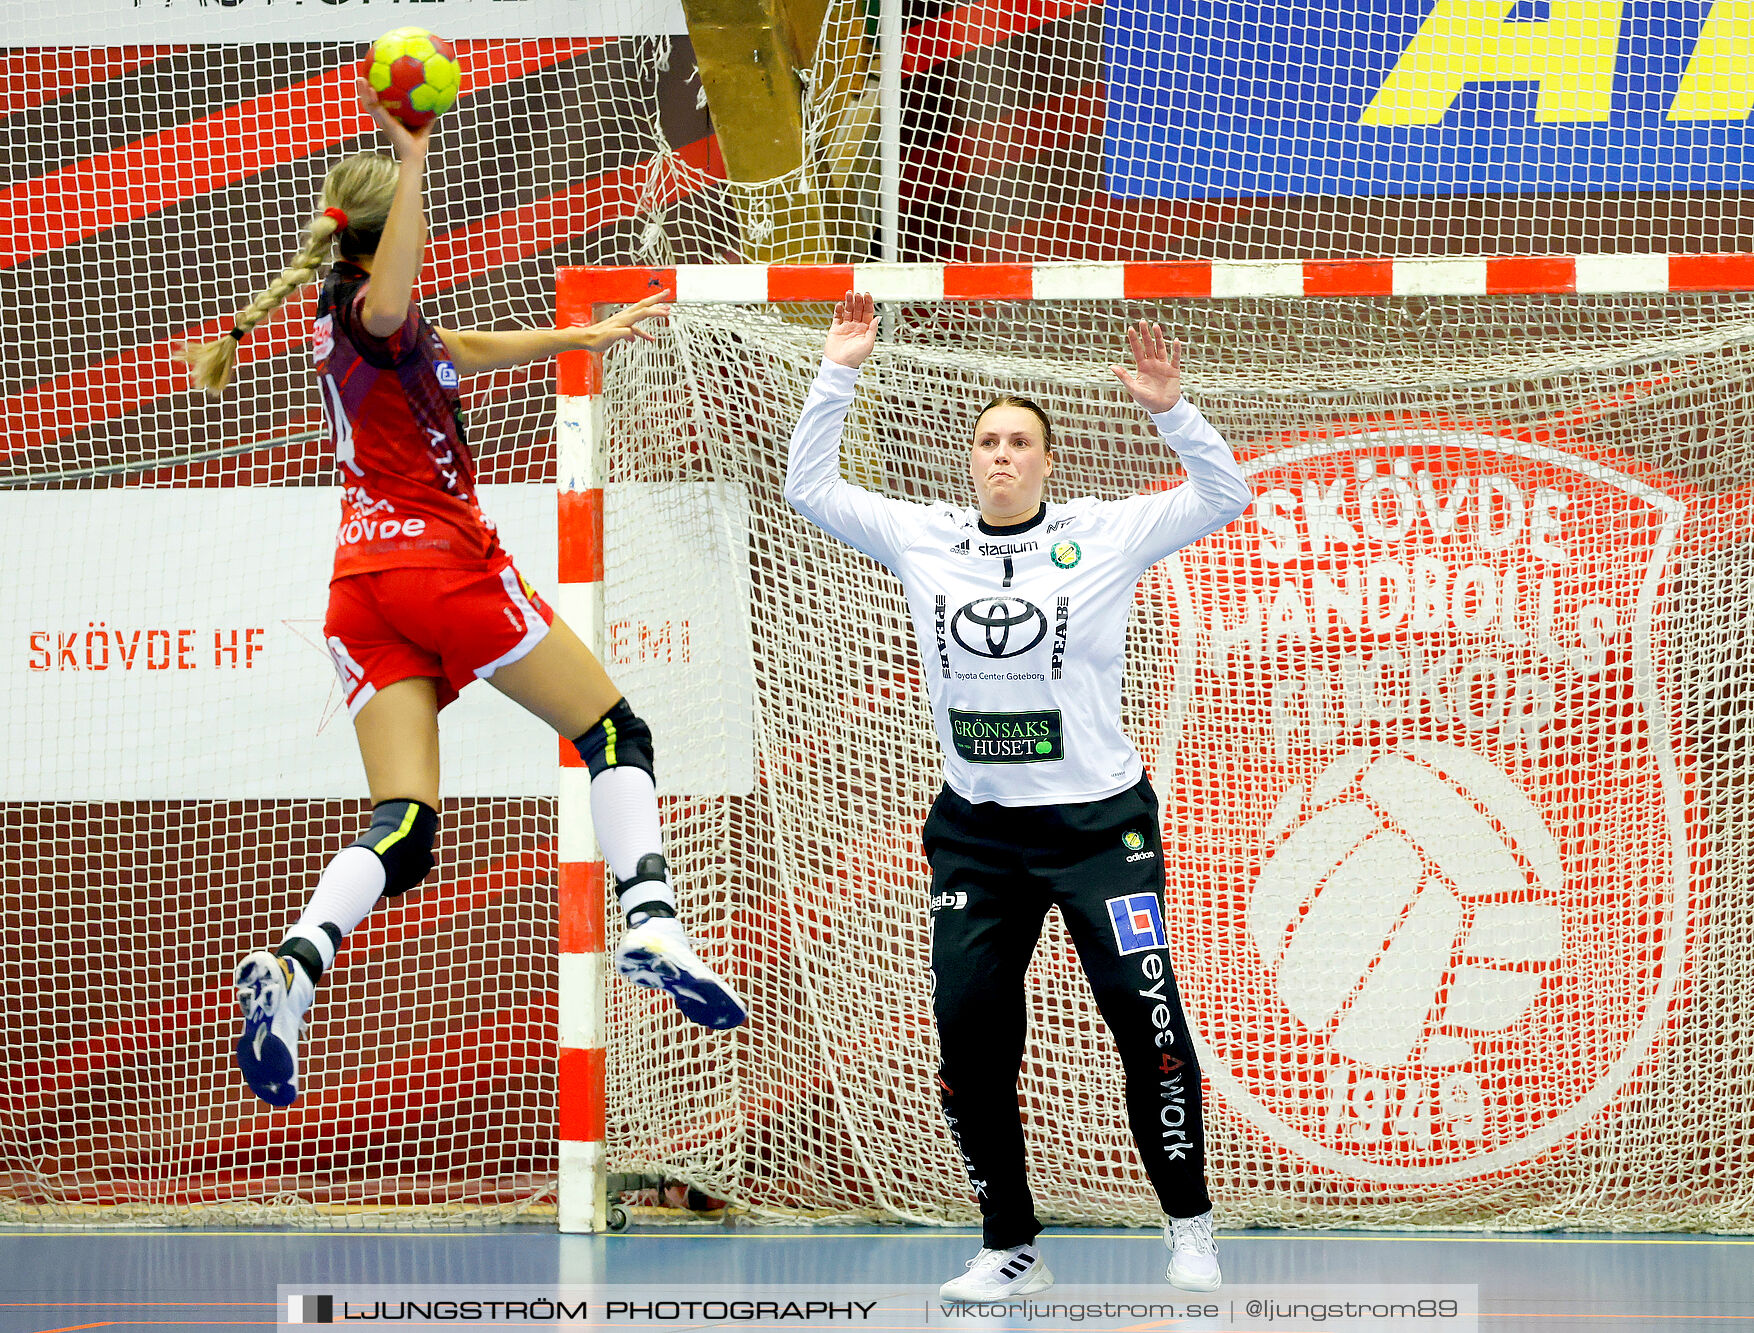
(1022, 630)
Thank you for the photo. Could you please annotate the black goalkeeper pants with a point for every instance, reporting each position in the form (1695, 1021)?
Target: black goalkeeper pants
(996, 870)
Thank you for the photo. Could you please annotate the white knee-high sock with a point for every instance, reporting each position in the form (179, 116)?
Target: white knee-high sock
(624, 810)
(350, 886)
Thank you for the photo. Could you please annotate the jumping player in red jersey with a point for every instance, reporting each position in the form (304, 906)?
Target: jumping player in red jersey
(424, 599)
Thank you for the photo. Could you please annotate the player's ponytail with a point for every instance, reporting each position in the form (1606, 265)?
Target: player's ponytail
(355, 204)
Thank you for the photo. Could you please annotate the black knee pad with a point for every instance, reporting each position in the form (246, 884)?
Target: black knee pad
(401, 834)
(619, 740)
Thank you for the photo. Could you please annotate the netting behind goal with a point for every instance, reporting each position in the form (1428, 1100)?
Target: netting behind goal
(1155, 129)
(1450, 729)
(177, 765)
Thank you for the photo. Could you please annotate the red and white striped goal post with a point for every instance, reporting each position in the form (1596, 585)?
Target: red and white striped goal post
(583, 970)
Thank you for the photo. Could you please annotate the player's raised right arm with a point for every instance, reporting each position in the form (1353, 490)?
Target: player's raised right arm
(877, 526)
(1216, 492)
(396, 262)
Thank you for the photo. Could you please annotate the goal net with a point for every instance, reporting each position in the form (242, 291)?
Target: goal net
(1450, 731)
(176, 770)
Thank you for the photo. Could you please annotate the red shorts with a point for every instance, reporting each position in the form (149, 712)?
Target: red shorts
(454, 625)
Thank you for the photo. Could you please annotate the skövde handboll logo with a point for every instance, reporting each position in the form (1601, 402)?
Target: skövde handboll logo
(1418, 740)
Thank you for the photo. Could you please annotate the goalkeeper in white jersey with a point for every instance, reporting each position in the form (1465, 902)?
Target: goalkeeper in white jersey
(1020, 610)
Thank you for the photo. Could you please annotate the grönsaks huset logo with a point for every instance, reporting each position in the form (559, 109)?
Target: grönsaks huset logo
(1007, 738)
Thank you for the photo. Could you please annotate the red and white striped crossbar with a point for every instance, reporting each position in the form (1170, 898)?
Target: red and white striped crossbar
(1514, 275)
(579, 435)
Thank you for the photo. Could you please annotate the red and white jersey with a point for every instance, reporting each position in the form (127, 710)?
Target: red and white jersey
(396, 421)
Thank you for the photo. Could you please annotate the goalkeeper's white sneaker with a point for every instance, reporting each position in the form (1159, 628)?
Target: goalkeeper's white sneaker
(994, 1275)
(274, 994)
(656, 953)
(1193, 1253)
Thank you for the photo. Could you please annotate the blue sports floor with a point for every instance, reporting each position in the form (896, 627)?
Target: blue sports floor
(55, 1282)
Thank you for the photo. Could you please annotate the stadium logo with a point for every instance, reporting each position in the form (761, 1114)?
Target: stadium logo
(1440, 661)
(1008, 627)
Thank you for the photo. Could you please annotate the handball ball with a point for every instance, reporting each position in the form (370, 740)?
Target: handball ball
(414, 74)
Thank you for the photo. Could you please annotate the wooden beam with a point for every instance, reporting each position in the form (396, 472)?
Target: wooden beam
(747, 63)
(748, 52)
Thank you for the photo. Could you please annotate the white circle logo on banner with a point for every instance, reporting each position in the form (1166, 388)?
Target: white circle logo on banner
(1362, 907)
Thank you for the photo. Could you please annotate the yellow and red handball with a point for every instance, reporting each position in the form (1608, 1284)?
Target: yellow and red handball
(414, 73)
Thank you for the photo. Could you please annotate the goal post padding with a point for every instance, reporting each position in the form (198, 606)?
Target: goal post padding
(1448, 731)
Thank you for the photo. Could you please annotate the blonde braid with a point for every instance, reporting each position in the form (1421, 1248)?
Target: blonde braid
(362, 188)
(210, 364)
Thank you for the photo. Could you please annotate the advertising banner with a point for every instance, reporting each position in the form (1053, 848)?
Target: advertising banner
(1385, 97)
(196, 22)
(168, 644)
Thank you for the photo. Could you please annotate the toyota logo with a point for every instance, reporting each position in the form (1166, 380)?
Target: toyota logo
(1008, 626)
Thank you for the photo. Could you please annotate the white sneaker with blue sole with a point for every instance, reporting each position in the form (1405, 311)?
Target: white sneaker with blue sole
(656, 953)
(274, 994)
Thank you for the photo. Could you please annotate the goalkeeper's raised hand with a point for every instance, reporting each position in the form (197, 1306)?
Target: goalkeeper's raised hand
(1156, 378)
(854, 331)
